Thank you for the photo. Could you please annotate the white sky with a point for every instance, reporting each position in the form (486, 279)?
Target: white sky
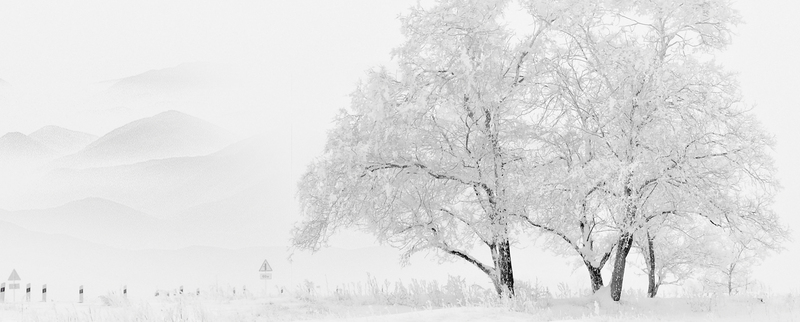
(765, 55)
(313, 53)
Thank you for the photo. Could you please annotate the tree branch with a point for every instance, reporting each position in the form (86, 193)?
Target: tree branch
(488, 270)
(419, 166)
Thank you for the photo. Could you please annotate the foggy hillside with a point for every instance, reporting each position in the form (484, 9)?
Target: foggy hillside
(15, 146)
(168, 134)
(61, 140)
(160, 187)
(95, 220)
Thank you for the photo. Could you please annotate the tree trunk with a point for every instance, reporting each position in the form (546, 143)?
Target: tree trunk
(730, 280)
(595, 276)
(623, 247)
(505, 273)
(652, 288)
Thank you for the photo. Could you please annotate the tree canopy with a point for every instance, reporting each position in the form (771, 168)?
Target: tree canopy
(602, 120)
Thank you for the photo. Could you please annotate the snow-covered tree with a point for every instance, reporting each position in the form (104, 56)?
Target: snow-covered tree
(652, 126)
(729, 268)
(432, 156)
(601, 120)
(675, 251)
(574, 220)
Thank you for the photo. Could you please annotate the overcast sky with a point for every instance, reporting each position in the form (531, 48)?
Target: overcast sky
(311, 54)
(764, 53)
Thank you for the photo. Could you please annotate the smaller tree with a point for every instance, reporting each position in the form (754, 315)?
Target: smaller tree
(729, 269)
(673, 252)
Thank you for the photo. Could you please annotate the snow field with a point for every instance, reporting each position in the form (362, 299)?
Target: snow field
(412, 301)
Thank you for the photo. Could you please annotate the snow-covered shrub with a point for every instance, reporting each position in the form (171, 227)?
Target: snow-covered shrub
(114, 300)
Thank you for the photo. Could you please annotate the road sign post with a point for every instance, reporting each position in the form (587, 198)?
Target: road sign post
(265, 273)
(13, 283)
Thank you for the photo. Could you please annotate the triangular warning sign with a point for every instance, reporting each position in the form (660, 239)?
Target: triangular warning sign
(265, 267)
(14, 276)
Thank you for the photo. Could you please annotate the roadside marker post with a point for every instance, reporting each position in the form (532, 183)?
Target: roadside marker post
(80, 294)
(44, 293)
(28, 292)
(2, 292)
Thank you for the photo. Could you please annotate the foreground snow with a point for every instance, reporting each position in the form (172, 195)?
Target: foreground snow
(288, 308)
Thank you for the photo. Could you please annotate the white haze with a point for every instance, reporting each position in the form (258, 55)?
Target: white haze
(183, 126)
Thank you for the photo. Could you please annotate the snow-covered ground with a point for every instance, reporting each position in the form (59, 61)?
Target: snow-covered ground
(289, 307)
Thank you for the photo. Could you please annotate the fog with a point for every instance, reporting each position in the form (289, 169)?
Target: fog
(158, 144)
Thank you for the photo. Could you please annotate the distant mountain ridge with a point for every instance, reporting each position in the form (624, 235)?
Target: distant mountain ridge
(194, 88)
(95, 220)
(162, 187)
(182, 77)
(166, 135)
(61, 140)
(229, 196)
(18, 147)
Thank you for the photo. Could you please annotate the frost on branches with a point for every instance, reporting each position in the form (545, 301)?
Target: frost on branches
(675, 249)
(654, 125)
(601, 122)
(429, 157)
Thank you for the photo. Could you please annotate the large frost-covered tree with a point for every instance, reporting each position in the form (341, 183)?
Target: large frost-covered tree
(600, 120)
(431, 156)
(652, 126)
(564, 187)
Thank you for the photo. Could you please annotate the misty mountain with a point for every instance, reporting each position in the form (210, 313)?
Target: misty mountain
(245, 219)
(166, 135)
(21, 159)
(186, 77)
(228, 95)
(164, 187)
(195, 88)
(19, 149)
(95, 220)
(64, 263)
(61, 140)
